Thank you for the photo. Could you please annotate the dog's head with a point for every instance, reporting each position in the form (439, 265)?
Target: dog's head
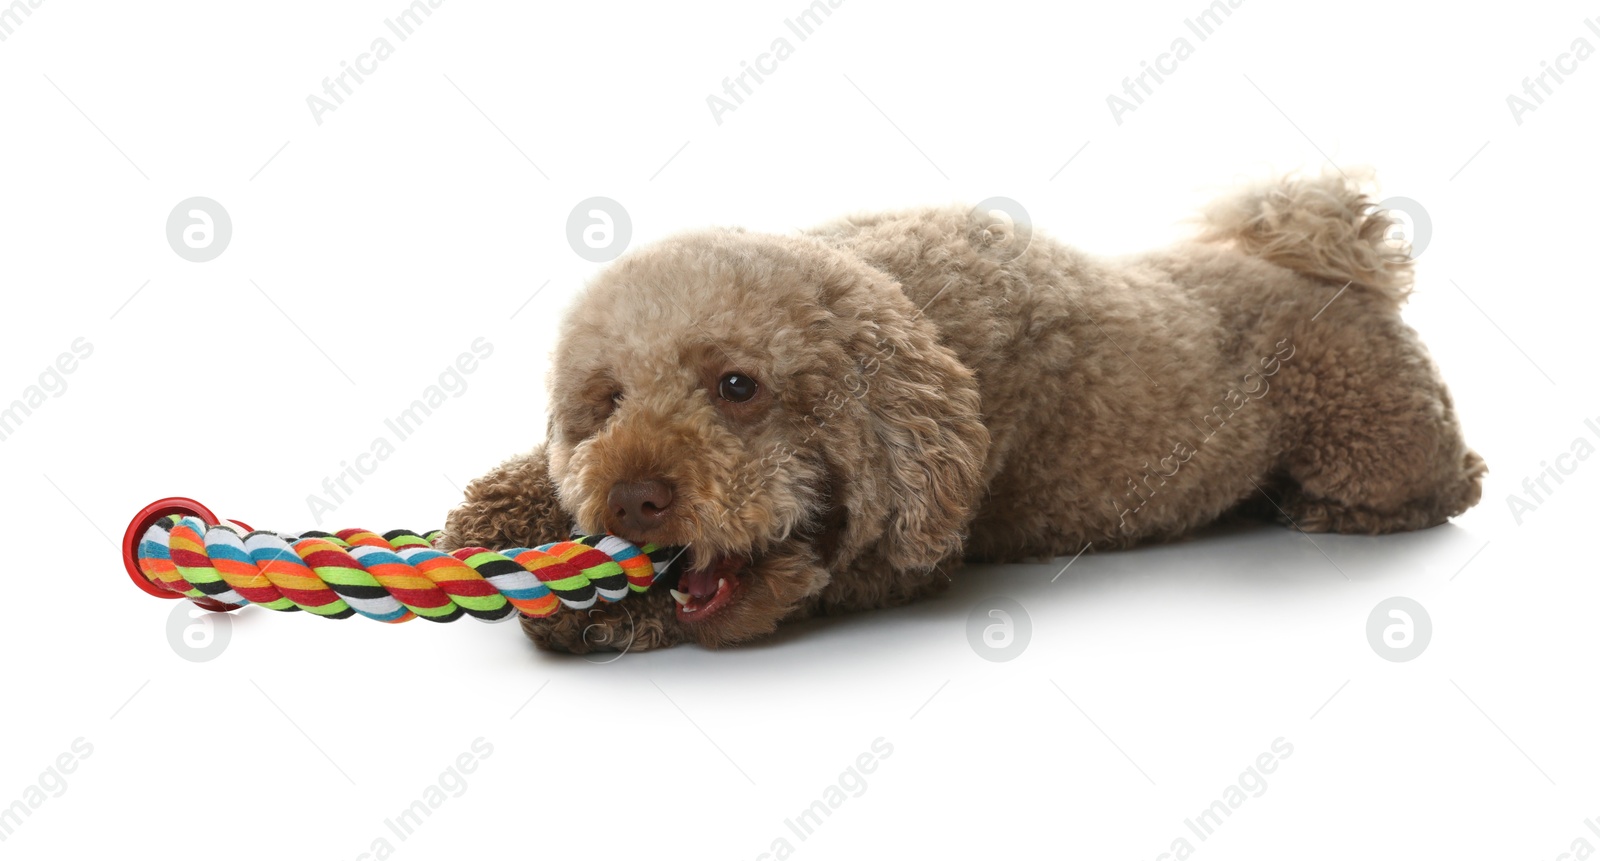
(773, 405)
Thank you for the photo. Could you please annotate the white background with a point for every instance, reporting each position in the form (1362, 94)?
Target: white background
(432, 205)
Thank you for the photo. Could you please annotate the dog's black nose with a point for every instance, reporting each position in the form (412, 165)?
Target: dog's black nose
(640, 506)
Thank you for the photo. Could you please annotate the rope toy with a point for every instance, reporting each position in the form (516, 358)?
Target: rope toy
(176, 547)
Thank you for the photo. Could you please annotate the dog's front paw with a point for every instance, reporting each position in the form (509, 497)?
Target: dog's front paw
(630, 625)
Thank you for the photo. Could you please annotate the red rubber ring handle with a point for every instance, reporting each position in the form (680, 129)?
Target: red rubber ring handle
(141, 523)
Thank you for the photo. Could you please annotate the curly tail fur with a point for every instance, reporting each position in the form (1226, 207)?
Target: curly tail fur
(1323, 226)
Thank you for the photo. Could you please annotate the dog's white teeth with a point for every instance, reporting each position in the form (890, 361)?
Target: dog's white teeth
(681, 597)
(720, 583)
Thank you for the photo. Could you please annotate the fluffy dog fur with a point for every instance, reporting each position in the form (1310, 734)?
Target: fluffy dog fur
(936, 387)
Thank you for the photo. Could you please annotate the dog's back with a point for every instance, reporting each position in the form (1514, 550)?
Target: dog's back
(1137, 398)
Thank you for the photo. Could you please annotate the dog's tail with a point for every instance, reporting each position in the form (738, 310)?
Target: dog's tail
(1323, 226)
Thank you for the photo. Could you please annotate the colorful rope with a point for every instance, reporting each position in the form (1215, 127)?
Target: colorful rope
(394, 577)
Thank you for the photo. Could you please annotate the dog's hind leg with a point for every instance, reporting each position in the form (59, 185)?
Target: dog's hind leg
(1370, 442)
(1373, 445)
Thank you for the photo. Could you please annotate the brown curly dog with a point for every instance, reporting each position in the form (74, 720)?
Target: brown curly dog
(835, 421)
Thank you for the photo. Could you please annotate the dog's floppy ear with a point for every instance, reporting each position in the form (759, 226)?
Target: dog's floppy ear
(909, 470)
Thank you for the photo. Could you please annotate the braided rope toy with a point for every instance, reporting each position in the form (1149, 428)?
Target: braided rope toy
(176, 548)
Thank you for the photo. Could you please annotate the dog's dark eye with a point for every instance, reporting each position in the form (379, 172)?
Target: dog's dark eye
(737, 388)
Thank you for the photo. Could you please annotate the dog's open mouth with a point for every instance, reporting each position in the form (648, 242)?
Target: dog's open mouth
(705, 592)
